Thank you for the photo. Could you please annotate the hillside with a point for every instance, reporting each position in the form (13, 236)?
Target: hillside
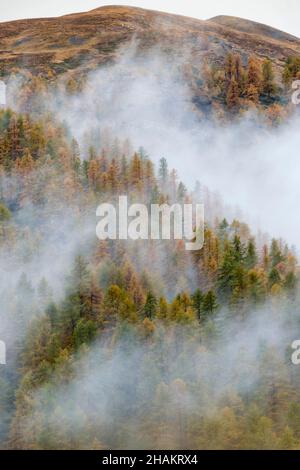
(115, 344)
(114, 334)
(85, 40)
(252, 27)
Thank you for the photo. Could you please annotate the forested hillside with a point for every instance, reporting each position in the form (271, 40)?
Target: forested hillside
(141, 344)
(126, 348)
(73, 46)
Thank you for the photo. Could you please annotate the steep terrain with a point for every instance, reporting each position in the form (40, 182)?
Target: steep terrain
(122, 344)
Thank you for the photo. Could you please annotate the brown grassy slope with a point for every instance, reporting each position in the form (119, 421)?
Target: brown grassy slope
(85, 40)
(252, 27)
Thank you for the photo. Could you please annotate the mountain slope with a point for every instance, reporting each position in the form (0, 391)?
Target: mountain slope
(85, 40)
(252, 27)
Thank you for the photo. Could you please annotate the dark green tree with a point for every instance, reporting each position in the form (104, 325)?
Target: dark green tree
(210, 304)
(150, 306)
(251, 255)
(197, 301)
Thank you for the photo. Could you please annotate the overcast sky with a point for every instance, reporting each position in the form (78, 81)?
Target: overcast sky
(282, 14)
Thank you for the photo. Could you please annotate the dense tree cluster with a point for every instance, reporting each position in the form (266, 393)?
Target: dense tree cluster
(291, 70)
(252, 85)
(151, 306)
(239, 85)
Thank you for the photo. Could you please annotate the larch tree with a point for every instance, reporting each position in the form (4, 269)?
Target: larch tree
(232, 97)
(268, 86)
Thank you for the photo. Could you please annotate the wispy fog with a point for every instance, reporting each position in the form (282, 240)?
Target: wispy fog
(147, 100)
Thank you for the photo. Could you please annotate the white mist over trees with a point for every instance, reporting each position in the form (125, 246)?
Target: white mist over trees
(141, 344)
(252, 166)
(2, 94)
